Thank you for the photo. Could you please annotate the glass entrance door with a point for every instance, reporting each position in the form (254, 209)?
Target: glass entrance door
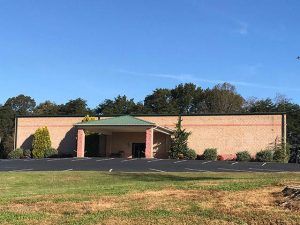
(138, 150)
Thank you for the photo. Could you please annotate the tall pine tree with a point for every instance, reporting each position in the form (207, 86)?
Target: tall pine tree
(179, 146)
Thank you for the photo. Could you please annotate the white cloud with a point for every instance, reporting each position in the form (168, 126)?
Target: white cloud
(192, 78)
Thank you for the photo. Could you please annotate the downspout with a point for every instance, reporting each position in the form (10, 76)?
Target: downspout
(283, 129)
(15, 133)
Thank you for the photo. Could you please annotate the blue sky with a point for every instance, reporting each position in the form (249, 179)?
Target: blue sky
(94, 49)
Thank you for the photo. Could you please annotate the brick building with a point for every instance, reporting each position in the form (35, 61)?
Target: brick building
(150, 135)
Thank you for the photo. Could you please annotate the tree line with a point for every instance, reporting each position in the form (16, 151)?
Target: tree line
(185, 98)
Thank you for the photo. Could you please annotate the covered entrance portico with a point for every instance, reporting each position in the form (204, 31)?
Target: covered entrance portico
(125, 136)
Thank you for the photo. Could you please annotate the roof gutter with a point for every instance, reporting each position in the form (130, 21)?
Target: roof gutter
(163, 130)
(115, 125)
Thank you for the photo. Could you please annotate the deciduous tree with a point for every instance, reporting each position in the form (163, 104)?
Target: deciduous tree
(223, 98)
(183, 97)
(47, 108)
(21, 104)
(75, 107)
(159, 102)
(120, 105)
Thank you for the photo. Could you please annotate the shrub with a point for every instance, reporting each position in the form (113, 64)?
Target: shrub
(50, 153)
(220, 158)
(27, 153)
(281, 153)
(15, 154)
(243, 156)
(180, 156)
(264, 156)
(210, 154)
(190, 154)
(41, 142)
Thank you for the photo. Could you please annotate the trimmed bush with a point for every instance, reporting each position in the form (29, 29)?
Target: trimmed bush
(41, 142)
(264, 156)
(15, 154)
(190, 154)
(27, 153)
(210, 154)
(243, 156)
(50, 153)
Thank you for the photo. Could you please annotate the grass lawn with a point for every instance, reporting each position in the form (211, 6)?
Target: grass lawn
(144, 198)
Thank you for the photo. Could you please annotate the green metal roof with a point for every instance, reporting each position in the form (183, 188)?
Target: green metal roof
(118, 121)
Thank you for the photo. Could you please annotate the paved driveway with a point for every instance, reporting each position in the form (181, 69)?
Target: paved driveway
(141, 165)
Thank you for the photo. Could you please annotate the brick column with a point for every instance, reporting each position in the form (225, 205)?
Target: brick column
(149, 143)
(80, 143)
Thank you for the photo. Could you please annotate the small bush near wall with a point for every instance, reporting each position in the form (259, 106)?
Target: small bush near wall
(281, 153)
(41, 142)
(243, 156)
(264, 156)
(27, 153)
(51, 153)
(190, 154)
(220, 158)
(15, 154)
(210, 154)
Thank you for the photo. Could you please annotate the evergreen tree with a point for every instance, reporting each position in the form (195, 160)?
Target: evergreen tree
(6, 131)
(180, 142)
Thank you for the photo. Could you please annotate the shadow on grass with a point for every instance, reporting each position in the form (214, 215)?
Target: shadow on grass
(151, 177)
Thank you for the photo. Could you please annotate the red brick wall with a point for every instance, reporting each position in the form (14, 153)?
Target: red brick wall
(228, 134)
(123, 142)
(62, 132)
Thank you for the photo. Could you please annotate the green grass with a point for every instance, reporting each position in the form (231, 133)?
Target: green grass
(118, 198)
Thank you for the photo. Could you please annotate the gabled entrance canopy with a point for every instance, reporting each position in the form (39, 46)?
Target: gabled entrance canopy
(119, 124)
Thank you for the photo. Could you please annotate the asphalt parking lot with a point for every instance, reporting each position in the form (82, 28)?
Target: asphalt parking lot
(141, 165)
